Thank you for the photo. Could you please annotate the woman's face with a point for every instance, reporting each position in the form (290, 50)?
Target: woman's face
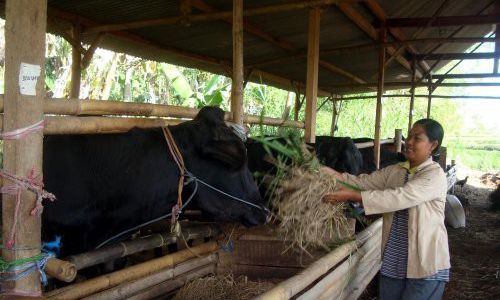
(418, 145)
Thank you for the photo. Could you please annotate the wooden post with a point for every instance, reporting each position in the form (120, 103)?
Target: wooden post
(237, 85)
(496, 11)
(335, 115)
(312, 74)
(24, 92)
(412, 94)
(380, 93)
(76, 64)
(429, 99)
(297, 104)
(398, 139)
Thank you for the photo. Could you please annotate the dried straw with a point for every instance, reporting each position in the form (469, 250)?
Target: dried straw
(222, 287)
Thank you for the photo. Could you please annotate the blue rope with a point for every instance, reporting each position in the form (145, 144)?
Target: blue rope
(21, 271)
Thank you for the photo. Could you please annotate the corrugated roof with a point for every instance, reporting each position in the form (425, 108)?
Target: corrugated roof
(210, 42)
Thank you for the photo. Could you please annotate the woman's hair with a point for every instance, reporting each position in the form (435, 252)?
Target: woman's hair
(433, 130)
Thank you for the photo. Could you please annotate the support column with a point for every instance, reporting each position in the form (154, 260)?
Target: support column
(312, 74)
(297, 105)
(25, 26)
(380, 93)
(412, 94)
(398, 139)
(76, 64)
(335, 115)
(429, 98)
(496, 10)
(237, 83)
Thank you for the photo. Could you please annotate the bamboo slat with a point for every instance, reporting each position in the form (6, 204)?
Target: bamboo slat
(297, 283)
(125, 290)
(370, 144)
(105, 254)
(111, 280)
(170, 285)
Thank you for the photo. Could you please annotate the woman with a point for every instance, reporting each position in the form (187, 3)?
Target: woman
(411, 196)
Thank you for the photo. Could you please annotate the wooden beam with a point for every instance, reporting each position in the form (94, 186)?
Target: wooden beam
(279, 42)
(312, 74)
(368, 28)
(76, 67)
(465, 76)
(402, 85)
(257, 75)
(335, 116)
(380, 14)
(237, 79)
(380, 93)
(421, 96)
(89, 53)
(412, 97)
(25, 25)
(429, 98)
(367, 46)
(269, 9)
(456, 56)
(444, 21)
(496, 10)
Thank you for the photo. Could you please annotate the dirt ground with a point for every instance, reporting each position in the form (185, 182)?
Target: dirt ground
(475, 249)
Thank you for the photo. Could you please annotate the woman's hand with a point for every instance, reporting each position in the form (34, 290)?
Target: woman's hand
(342, 195)
(332, 173)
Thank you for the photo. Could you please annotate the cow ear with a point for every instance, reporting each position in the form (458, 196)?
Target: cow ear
(230, 153)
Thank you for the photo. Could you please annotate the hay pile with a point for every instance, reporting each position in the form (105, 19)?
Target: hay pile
(303, 219)
(222, 288)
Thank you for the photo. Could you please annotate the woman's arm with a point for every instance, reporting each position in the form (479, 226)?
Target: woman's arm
(374, 181)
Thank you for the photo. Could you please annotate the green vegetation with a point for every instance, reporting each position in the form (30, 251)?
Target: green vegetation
(123, 77)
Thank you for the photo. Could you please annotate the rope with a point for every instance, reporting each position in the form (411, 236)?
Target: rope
(30, 183)
(22, 132)
(18, 269)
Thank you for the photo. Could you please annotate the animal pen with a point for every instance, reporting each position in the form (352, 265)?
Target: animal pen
(327, 48)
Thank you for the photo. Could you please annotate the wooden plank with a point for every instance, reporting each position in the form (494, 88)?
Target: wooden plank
(380, 93)
(237, 79)
(443, 21)
(25, 27)
(312, 74)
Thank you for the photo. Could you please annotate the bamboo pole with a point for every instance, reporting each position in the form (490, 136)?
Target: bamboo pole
(339, 278)
(237, 80)
(496, 10)
(111, 280)
(60, 269)
(292, 286)
(123, 249)
(76, 63)
(417, 84)
(362, 279)
(25, 26)
(312, 74)
(380, 93)
(170, 285)
(422, 96)
(128, 289)
(456, 56)
(372, 143)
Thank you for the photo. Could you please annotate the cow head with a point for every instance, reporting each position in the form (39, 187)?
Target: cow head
(218, 157)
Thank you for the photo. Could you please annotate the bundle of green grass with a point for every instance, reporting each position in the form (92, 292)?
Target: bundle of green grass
(296, 190)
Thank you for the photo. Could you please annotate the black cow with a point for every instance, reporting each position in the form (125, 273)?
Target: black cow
(106, 184)
(338, 153)
(387, 156)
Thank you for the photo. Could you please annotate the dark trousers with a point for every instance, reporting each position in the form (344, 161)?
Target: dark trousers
(410, 289)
